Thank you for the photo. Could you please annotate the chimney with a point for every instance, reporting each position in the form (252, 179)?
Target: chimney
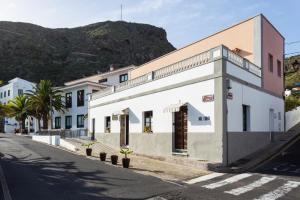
(111, 67)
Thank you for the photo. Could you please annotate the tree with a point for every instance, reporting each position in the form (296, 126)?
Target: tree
(18, 108)
(3, 111)
(44, 100)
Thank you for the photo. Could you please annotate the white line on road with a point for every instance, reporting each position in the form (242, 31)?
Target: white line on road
(279, 192)
(5, 189)
(251, 186)
(204, 178)
(227, 181)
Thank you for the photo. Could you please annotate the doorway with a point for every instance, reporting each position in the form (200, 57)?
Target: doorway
(180, 129)
(93, 129)
(124, 130)
(271, 123)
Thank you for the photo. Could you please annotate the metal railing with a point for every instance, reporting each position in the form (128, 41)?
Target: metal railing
(66, 133)
(186, 64)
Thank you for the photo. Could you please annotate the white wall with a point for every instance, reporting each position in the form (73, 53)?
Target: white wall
(259, 102)
(242, 74)
(14, 85)
(162, 122)
(292, 118)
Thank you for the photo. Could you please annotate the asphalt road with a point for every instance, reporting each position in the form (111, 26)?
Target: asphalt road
(279, 178)
(36, 171)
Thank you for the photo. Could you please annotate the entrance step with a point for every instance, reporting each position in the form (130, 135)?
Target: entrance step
(180, 152)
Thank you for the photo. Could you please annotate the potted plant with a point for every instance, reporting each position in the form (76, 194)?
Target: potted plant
(114, 159)
(126, 161)
(88, 148)
(147, 129)
(102, 156)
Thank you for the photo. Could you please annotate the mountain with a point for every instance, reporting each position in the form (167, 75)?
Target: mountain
(292, 71)
(33, 52)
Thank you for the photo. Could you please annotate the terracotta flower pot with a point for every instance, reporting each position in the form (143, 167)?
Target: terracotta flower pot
(114, 159)
(88, 151)
(125, 162)
(102, 156)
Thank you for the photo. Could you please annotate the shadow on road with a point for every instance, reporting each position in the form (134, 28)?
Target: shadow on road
(38, 178)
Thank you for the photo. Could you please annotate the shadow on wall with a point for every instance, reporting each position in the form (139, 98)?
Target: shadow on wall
(56, 180)
(194, 115)
(133, 118)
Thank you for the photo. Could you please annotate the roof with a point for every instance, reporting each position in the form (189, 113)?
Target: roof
(83, 83)
(105, 74)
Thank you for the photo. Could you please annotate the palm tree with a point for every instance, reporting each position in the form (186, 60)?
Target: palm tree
(44, 100)
(18, 108)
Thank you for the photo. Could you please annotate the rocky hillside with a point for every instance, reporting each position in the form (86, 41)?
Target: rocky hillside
(292, 71)
(33, 52)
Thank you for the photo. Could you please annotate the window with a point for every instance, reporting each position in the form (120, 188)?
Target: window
(20, 92)
(57, 123)
(270, 63)
(1, 95)
(8, 93)
(80, 98)
(68, 122)
(279, 68)
(69, 100)
(4, 93)
(107, 124)
(80, 121)
(123, 77)
(246, 118)
(147, 121)
(102, 80)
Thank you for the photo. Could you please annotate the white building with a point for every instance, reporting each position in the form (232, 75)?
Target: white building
(218, 99)
(76, 95)
(14, 88)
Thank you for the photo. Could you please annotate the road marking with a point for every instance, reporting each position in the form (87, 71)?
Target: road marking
(204, 178)
(5, 189)
(251, 186)
(279, 192)
(227, 181)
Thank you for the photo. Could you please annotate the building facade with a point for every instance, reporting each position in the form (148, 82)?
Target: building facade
(76, 95)
(14, 88)
(218, 99)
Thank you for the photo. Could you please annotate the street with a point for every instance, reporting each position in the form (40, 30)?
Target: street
(38, 171)
(35, 171)
(278, 178)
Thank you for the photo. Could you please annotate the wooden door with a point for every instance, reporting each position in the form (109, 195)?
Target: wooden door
(180, 123)
(93, 129)
(122, 130)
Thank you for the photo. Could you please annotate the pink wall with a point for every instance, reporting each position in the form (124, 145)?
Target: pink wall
(273, 43)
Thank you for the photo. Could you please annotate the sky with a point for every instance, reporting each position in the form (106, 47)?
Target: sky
(185, 21)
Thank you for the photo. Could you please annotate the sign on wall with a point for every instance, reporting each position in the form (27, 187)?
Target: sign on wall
(208, 98)
(229, 95)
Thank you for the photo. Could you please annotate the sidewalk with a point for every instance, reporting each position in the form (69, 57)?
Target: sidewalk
(263, 155)
(163, 168)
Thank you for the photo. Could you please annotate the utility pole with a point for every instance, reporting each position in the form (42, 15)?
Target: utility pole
(121, 12)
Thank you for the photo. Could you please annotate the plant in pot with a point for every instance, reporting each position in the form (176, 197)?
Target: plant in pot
(88, 148)
(114, 159)
(147, 129)
(126, 161)
(102, 156)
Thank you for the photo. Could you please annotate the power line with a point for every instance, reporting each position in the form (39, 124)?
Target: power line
(289, 43)
(297, 52)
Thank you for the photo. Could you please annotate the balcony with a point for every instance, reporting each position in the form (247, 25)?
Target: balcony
(186, 64)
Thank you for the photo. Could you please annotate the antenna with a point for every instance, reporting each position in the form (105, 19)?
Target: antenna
(121, 12)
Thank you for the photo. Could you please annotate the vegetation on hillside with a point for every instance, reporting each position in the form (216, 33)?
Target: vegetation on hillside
(34, 53)
(292, 71)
